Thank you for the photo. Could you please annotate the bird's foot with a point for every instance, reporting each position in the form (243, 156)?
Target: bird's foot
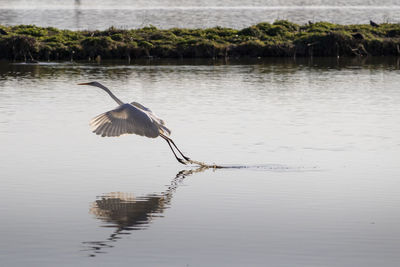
(186, 158)
(182, 161)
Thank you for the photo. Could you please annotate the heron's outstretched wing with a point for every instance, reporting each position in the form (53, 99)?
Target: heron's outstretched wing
(160, 122)
(138, 105)
(125, 119)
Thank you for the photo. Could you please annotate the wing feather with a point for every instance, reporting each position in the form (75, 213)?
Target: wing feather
(104, 131)
(118, 129)
(98, 119)
(100, 128)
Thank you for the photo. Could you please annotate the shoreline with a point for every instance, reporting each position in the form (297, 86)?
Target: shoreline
(282, 38)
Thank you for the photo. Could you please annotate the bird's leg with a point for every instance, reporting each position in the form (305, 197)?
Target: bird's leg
(178, 159)
(186, 158)
(169, 140)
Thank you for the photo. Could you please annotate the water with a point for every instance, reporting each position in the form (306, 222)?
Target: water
(85, 14)
(314, 146)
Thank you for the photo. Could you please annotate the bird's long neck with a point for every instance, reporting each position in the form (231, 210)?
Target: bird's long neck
(111, 94)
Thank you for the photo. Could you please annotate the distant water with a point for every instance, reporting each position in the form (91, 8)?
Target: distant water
(86, 14)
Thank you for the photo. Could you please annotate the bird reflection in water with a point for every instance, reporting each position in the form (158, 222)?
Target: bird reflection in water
(126, 213)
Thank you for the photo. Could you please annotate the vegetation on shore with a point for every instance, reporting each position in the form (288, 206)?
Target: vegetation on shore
(279, 39)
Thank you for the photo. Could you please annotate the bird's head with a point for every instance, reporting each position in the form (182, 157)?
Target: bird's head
(97, 84)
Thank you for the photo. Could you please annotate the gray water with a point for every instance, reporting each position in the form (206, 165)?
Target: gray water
(101, 14)
(314, 147)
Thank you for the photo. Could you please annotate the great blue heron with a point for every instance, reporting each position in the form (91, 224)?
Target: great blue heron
(132, 118)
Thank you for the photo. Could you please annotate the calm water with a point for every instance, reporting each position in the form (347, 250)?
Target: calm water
(101, 14)
(318, 142)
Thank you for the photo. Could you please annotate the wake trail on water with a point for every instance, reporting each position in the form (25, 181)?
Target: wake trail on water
(258, 167)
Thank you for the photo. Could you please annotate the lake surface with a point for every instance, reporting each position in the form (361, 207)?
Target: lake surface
(87, 14)
(313, 146)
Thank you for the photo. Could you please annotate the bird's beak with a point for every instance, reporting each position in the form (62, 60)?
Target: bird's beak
(83, 83)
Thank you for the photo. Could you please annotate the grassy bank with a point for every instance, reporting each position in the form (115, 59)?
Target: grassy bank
(279, 39)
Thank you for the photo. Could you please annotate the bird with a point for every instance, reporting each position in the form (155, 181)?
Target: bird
(373, 24)
(131, 118)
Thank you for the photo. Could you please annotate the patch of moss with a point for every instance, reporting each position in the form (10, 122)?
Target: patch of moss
(322, 27)
(31, 30)
(289, 26)
(252, 31)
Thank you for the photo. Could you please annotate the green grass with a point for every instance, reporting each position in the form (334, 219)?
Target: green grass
(281, 38)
